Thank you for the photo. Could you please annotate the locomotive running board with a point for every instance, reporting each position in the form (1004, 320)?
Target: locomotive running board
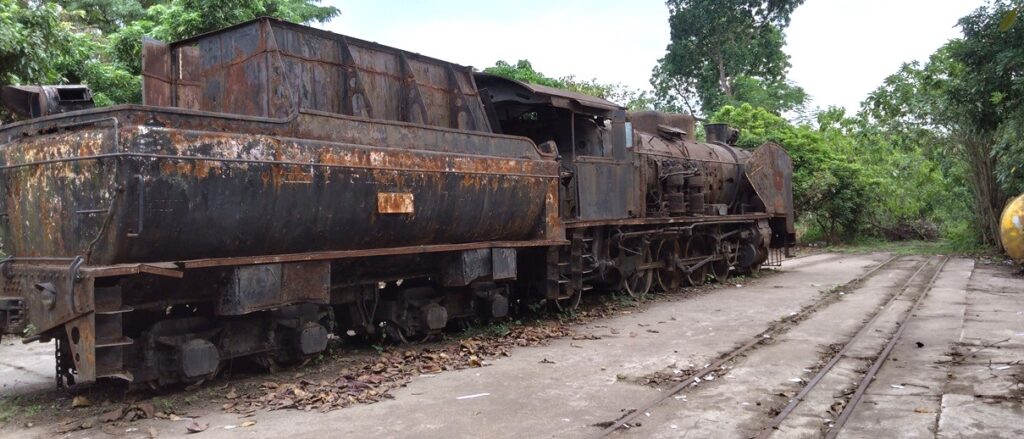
(345, 254)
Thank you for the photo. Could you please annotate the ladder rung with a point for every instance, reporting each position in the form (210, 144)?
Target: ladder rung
(116, 311)
(122, 341)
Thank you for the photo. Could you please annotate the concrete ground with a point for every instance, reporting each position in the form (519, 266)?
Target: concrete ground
(25, 369)
(965, 380)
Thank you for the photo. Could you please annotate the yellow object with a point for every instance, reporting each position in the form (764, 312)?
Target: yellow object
(1012, 229)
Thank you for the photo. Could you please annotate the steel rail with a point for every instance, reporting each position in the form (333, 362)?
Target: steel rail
(793, 403)
(757, 340)
(869, 377)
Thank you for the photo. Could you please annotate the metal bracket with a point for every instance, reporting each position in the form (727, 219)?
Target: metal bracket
(142, 203)
(74, 275)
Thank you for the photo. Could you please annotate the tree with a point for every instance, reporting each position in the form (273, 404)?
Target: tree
(719, 45)
(776, 96)
(30, 37)
(107, 16)
(964, 107)
(986, 92)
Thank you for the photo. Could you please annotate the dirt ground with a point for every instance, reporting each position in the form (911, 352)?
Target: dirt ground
(956, 369)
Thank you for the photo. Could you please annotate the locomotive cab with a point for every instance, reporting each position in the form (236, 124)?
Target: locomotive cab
(589, 134)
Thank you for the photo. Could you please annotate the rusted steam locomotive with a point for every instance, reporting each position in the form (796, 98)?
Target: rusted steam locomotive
(282, 183)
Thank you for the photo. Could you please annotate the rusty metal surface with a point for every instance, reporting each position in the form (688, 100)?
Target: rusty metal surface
(606, 189)
(258, 287)
(156, 73)
(370, 252)
(536, 93)
(648, 122)
(53, 292)
(81, 336)
(722, 166)
(395, 202)
(137, 184)
(770, 171)
(165, 269)
(29, 101)
(679, 220)
(273, 68)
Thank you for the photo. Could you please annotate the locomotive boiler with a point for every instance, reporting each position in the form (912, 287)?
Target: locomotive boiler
(280, 183)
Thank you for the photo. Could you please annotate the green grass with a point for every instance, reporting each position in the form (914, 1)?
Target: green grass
(18, 407)
(940, 247)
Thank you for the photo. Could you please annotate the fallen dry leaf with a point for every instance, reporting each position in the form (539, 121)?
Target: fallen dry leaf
(80, 401)
(197, 427)
(112, 415)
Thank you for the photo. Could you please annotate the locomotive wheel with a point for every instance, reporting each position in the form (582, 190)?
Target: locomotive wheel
(750, 271)
(397, 332)
(698, 276)
(719, 270)
(668, 277)
(568, 299)
(639, 282)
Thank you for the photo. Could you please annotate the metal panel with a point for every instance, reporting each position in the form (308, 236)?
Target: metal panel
(156, 68)
(466, 267)
(606, 189)
(259, 287)
(392, 202)
(770, 171)
(53, 293)
(503, 263)
(272, 68)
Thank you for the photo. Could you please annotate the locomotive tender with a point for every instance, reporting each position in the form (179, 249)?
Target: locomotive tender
(281, 183)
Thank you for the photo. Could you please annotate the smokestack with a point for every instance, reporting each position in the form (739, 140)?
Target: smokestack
(721, 133)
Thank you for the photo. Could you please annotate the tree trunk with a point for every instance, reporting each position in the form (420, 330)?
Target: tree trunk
(988, 196)
(723, 78)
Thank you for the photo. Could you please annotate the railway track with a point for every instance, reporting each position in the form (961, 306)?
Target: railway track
(920, 282)
(758, 340)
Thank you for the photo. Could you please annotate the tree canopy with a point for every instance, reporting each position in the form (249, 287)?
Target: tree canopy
(723, 52)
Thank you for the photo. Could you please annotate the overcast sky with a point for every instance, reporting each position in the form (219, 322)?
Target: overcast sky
(840, 49)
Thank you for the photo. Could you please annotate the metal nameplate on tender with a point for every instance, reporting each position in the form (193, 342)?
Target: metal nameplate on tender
(394, 202)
